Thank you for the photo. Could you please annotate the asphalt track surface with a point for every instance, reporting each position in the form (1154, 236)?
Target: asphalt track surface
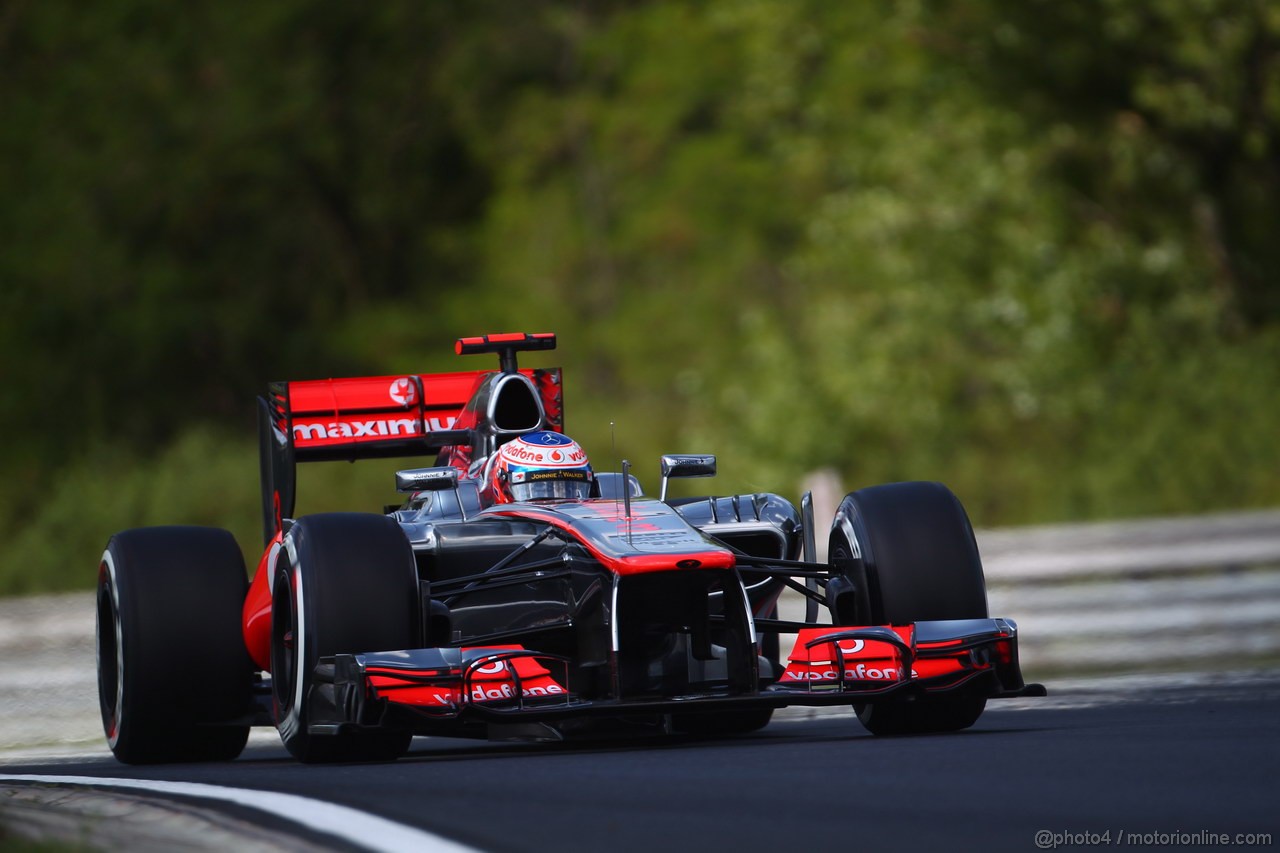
(1174, 762)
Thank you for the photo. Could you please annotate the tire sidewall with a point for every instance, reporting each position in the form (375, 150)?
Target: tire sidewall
(111, 680)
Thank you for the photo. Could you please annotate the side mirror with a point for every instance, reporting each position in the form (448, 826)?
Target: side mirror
(426, 479)
(685, 465)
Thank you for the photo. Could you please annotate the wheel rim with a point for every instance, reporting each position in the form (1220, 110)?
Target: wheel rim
(110, 651)
(284, 646)
(841, 556)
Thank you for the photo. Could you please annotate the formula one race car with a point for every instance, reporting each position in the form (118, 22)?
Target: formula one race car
(538, 613)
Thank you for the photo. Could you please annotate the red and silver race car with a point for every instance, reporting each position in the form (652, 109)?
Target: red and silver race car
(537, 614)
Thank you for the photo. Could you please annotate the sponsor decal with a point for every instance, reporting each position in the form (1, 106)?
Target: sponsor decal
(448, 697)
(698, 461)
(480, 693)
(558, 475)
(431, 476)
(404, 392)
(519, 451)
(646, 537)
(376, 428)
(858, 672)
(548, 439)
(371, 429)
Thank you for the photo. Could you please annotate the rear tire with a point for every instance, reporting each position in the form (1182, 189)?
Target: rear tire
(347, 583)
(909, 550)
(174, 678)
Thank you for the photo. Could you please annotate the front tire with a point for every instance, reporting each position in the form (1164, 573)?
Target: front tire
(347, 583)
(909, 551)
(174, 678)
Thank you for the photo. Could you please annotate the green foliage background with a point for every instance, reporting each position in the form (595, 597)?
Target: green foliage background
(1028, 249)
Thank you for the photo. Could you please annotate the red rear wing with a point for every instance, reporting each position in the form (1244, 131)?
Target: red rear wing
(380, 416)
(372, 416)
(383, 416)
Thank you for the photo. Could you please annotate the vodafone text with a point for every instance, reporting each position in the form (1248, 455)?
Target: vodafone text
(861, 672)
(480, 693)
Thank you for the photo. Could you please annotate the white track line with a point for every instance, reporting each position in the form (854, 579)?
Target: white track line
(356, 827)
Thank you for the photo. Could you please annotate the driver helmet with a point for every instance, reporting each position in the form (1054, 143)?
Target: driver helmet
(538, 466)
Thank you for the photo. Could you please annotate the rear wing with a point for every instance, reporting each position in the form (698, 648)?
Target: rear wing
(377, 417)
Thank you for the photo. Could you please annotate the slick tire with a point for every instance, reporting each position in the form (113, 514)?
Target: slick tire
(346, 583)
(909, 550)
(174, 678)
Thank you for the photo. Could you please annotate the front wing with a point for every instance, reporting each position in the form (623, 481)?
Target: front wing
(439, 690)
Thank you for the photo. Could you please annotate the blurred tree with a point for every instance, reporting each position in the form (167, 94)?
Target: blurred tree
(1176, 113)
(198, 200)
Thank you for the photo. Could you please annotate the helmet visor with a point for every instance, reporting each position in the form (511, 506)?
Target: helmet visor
(553, 488)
